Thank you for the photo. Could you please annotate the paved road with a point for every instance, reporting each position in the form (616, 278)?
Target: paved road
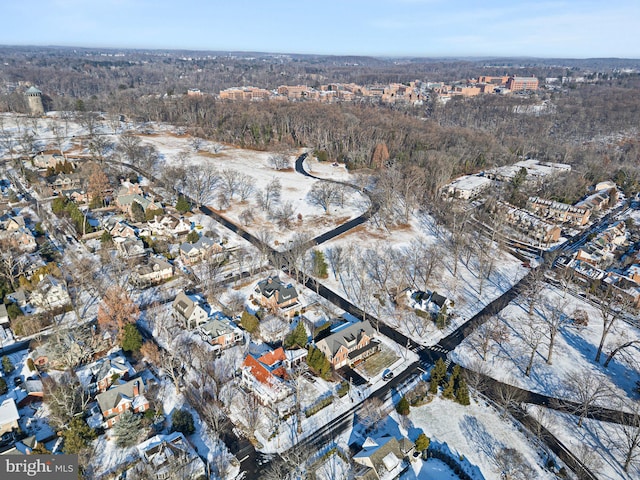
(427, 355)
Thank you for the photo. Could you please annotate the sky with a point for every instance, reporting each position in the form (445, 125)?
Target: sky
(426, 28)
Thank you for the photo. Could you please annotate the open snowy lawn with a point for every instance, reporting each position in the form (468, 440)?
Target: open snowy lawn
(573, 353)
(599, 445)
(476, 432)
(308, 220)
(468, 292)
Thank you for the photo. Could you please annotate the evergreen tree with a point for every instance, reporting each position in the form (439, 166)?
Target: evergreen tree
(422, 442)
(319, 362)
(7, 365)
(449, 389)
(193, 236)
(137, 212)
(438, 374)
(127, 430)
(442, 320)
(297, 338)
(462, 392)
(182, 421)
(403, 407)
(249, 322)
(77, 436)
(319, 264)
(3, 386)
(183, 205)
(131, 338)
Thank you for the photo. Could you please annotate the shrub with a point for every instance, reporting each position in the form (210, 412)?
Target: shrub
(422, 442)
(403, 407)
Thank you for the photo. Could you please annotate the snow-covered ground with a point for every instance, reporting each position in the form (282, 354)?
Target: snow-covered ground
(466, 289)
(477, 433)
(601, 446)
(573, 353)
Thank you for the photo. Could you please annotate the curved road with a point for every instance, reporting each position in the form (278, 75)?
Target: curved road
(427, 355)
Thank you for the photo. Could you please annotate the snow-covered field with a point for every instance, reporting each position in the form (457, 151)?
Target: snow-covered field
(573, 353)
(466, 289)
(601, 446)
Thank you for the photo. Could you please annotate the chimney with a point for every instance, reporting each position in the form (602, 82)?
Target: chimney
(136, 389)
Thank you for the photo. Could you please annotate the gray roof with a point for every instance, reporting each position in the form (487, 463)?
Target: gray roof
(110, 399)
(33, 90)
(271, 285)
(347, 336)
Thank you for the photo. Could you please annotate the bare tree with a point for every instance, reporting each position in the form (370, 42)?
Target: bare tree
(531, 333)
(230, 180)
(587, 390)
(555, 319)
(513, 465)
(201, 183)
(509, 397)
(372, 412)
(628, 436)
(334, 256)
(268, 197)
(283, 215)
(279, 161)
(610, 312)
(323, 195)
(245, 186)
(493, 332)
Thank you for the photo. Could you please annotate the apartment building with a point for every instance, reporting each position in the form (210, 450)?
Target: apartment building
(519, 84)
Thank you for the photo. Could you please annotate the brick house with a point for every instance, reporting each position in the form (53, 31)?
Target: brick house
(349, 345)
(118, 399)
(275, 295)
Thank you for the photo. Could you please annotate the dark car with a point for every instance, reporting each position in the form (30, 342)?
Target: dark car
(17, 381)
(388, 375)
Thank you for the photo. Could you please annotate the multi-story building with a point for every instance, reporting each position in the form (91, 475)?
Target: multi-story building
(561, 212)
(519, 84)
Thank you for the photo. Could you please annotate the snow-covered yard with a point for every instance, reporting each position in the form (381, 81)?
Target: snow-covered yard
(508, 353)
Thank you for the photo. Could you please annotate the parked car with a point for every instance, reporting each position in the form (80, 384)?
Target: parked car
(387, 375)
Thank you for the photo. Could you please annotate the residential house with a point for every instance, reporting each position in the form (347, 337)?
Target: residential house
(130, 247)
(575, 216)
(150, 271)
(265, 376)
(13, 230)
(125, 202)
(50, 293)
(118, 228)
(168, 226)
(48, 160)
(220, 332)
(9, 416)
(33, 392)
(276, 295)
(63, 183)
(120, 398)
(467, 187)
(171, 457)
(532, 228)
(101, 375)
(189, 310)
(625, 289)
(349, 345)
(18, 297)
(192, 253)
(382, 458)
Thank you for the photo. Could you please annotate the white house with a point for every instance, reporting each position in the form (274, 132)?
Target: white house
(189, 310)
(50, 293)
